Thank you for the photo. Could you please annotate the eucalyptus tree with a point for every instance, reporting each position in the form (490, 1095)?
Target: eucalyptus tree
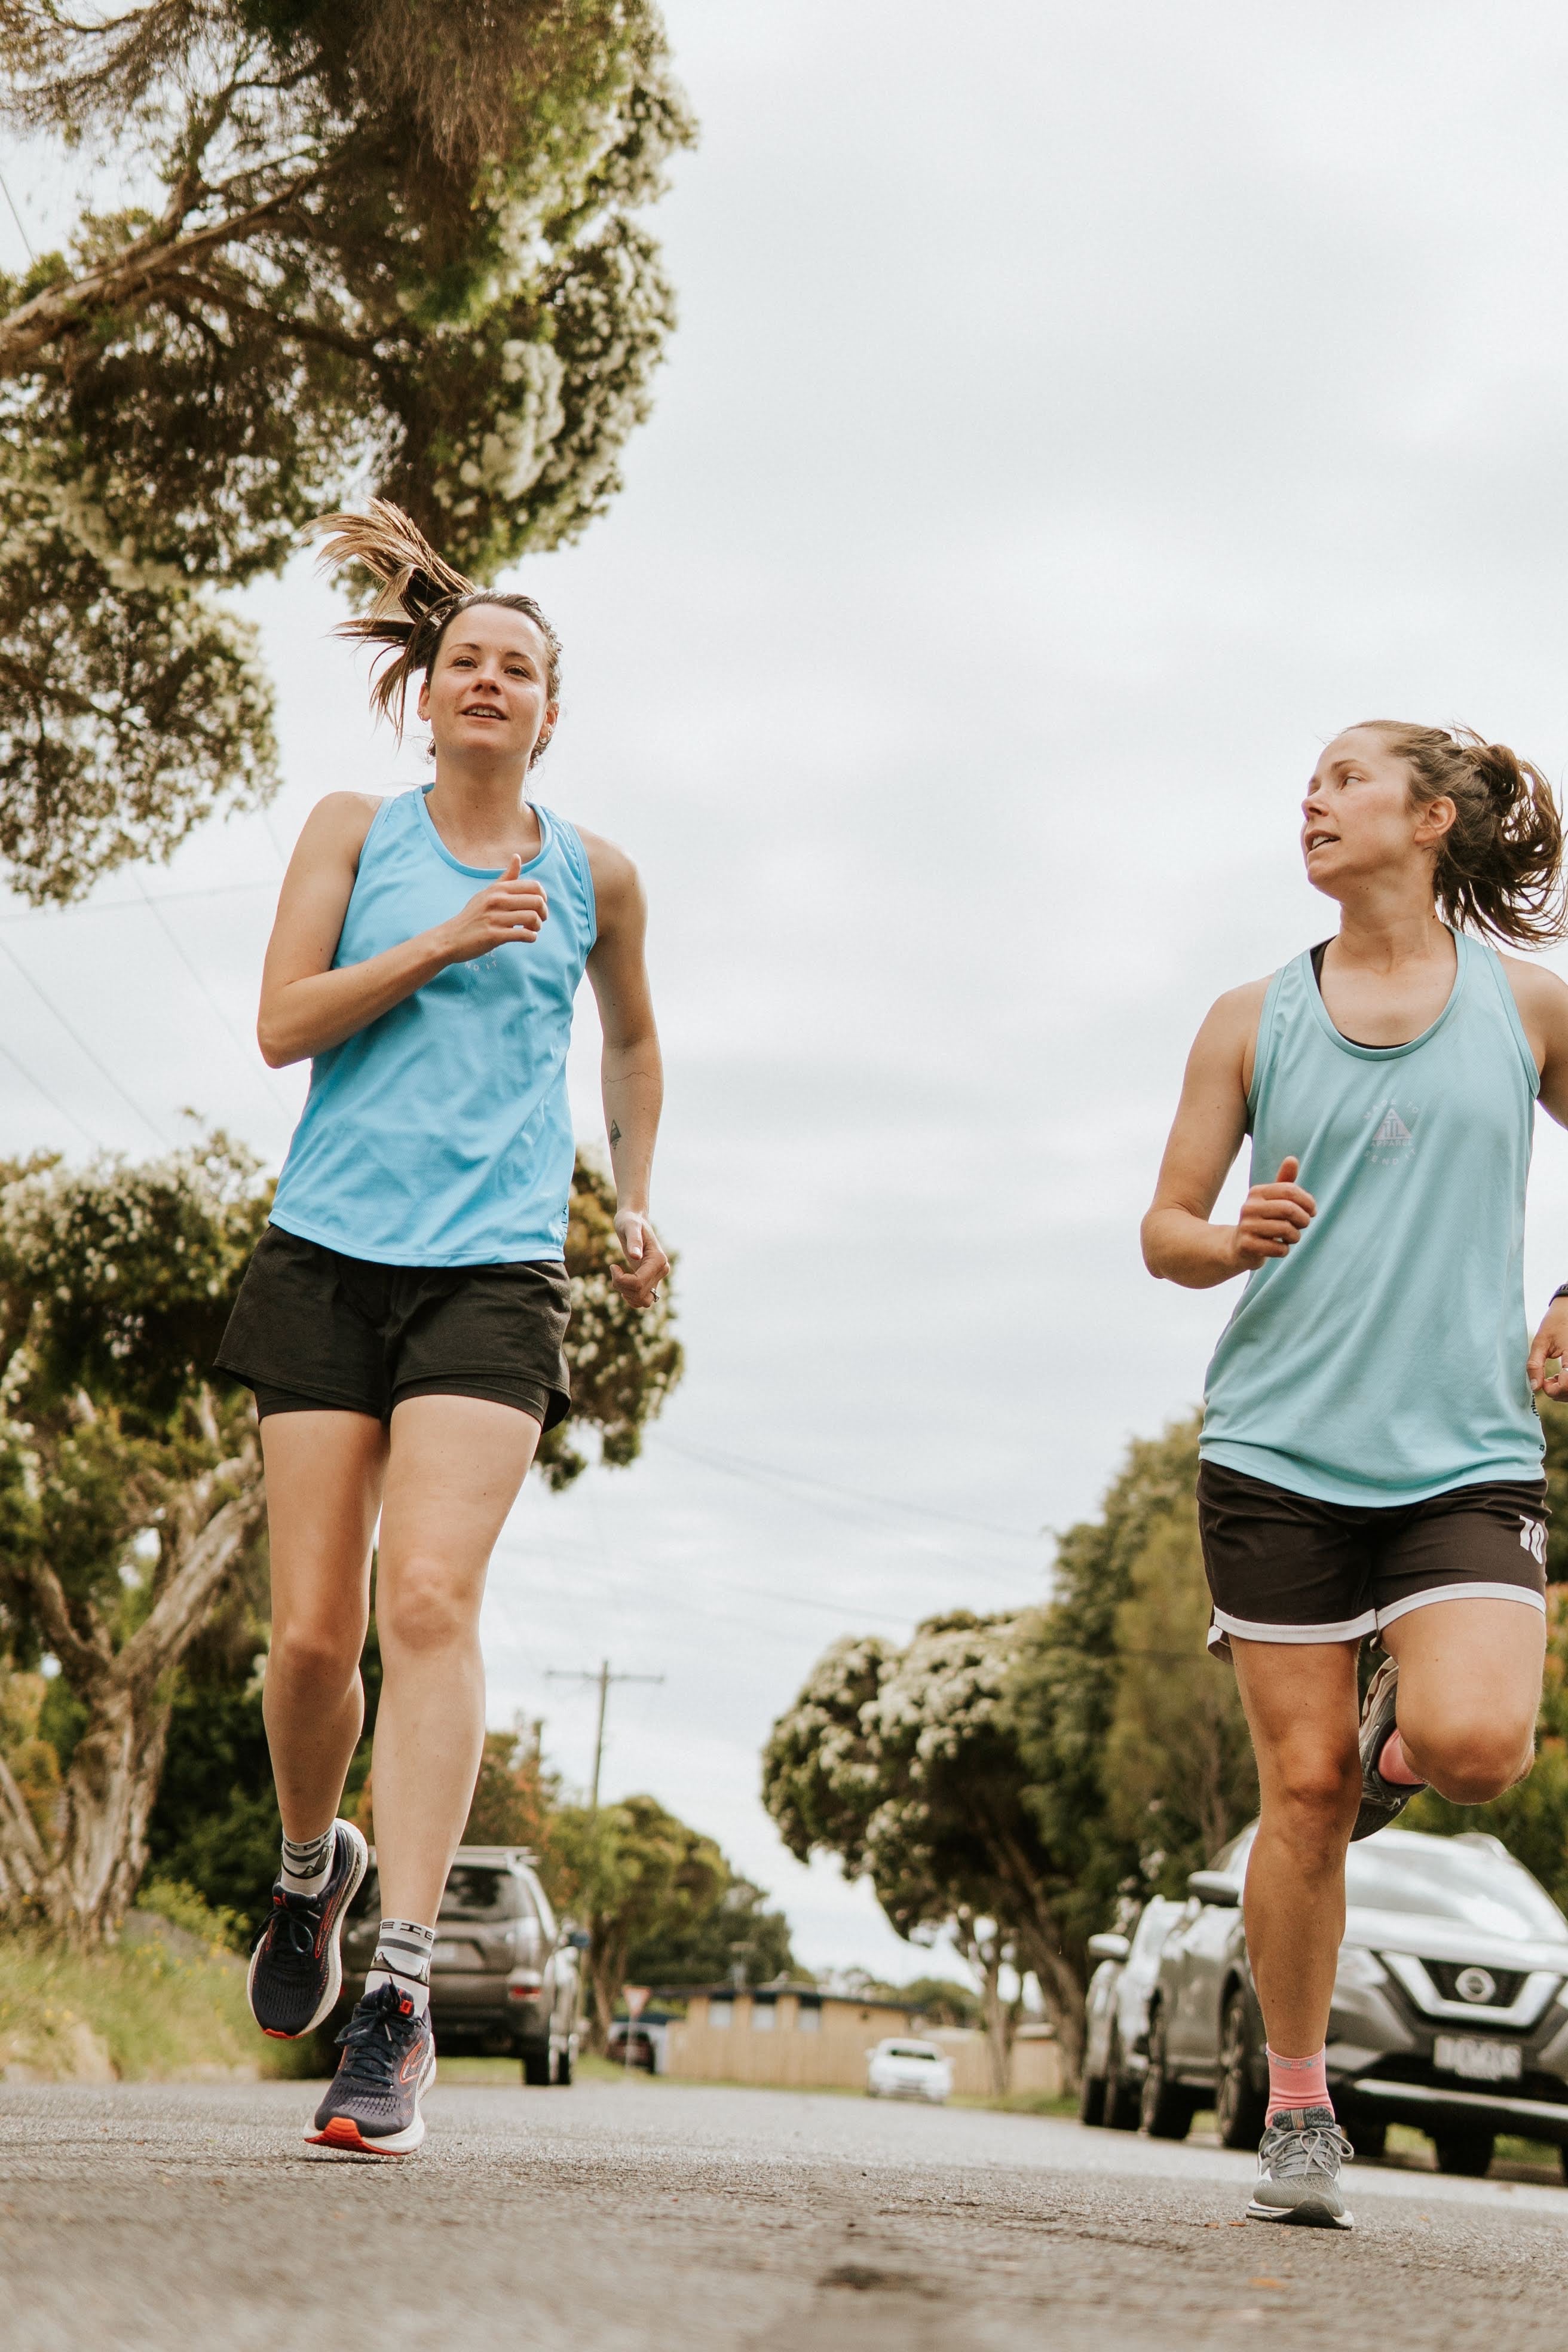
(357, 246)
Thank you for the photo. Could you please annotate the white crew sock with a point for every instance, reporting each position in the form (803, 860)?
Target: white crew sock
(403, 1949)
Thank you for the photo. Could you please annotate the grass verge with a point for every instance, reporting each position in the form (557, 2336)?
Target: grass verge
(166, 2003)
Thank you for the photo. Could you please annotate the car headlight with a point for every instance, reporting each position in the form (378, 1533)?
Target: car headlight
(1359, 1971)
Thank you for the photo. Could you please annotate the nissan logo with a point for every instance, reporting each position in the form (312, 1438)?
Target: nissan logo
(1474, 1984)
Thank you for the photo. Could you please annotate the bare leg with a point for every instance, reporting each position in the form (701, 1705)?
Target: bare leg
(323, 1489)
(1469, 1687)
(1300, 1702)
(454, 1472)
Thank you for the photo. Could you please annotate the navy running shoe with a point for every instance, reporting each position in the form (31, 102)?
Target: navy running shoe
(1382, 1801)
(296, 1973)
(372, 2106)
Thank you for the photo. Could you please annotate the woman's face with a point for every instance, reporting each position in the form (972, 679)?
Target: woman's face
(1358, 818)
(490, 687)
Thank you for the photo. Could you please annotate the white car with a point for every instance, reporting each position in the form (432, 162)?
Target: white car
(908, 2070)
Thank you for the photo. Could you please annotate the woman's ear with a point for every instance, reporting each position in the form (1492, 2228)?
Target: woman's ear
(423, 704)
(1436, 822)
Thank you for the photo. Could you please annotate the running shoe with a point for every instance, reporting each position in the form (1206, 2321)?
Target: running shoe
(1299, 2161)
(296, 1973)
(372, 2106)
(1382, 1801)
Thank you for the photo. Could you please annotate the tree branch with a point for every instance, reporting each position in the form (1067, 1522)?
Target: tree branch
(85, 1658)
(179, 1613)
(135, 275)
(23, 1861)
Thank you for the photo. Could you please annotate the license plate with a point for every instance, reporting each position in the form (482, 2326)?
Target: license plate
(1478, 2061)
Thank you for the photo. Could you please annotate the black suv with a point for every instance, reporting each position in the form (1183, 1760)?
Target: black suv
(504, 1977)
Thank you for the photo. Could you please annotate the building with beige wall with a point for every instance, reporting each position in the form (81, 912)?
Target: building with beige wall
(794, 2035)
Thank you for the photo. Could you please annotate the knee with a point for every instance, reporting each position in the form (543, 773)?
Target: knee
(314, 1655)
(420, 1609)
(1314, 1794)
(1471, 1762)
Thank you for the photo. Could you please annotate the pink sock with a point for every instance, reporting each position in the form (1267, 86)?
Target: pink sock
(1297, 2083)
(1395, 1765)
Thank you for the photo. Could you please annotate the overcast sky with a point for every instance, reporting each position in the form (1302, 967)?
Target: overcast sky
(1076, 415)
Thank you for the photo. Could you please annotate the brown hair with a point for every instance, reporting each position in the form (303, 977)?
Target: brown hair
(418, 596)
(1499, 868)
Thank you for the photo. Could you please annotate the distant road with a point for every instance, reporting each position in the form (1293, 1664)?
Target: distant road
(657, 2218)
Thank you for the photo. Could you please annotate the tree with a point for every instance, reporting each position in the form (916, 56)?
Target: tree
(633, 1876)
(130, 1490)
(131, 1523)
(905, 1765)
(515, 1794)
(394, 245)
(736, 1930)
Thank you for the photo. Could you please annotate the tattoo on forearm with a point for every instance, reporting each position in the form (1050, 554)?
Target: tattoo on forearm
(615, 1132)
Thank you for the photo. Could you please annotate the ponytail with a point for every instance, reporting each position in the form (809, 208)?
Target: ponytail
(418, 594)
(1499, 867)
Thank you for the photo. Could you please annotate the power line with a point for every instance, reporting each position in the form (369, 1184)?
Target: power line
(738, 1467)
(21, 224)
(38, 1087)
(80, 1042)
(222, 1017)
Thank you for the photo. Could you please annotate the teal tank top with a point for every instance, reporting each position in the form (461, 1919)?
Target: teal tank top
(1384, 1359)
(441, 1134)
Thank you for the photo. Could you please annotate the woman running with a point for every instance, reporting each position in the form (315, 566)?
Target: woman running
(401, 1324)
(1371, 1450)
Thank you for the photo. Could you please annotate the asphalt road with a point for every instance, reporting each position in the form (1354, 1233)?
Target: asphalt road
(605, 2218)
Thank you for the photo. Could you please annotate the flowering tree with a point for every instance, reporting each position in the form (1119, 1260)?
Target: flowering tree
(376, 243)
(905, 1765)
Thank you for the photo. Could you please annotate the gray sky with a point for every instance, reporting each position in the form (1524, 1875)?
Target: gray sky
(1076, 415)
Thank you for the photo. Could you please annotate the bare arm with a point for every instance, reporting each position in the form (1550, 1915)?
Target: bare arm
(1179, 1244)
(631, 1069)
(1542, 1002)
(306, 1006)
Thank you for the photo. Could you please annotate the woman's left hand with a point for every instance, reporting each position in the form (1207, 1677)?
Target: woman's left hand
(646, 1264)
(1551, 1339)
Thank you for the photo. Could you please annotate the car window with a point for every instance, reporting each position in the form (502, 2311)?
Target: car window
(912, 2049)
(1447, 1879)
(474, 1891)
(1151, 1927)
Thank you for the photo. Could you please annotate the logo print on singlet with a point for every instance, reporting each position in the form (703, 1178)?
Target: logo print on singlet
(1393, 1138)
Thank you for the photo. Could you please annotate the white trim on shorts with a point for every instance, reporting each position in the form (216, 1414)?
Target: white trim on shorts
(1244, 1629)
(1461, 1592)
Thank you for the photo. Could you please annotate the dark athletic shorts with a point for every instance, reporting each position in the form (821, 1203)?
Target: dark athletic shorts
(1286, 1568)
(311, 1329)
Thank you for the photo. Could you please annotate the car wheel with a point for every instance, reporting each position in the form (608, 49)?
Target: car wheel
(562, 2065)
(1371, 2137)
(1468, 2153)
(536, 2065)
(1167, 2108)
(1239, 2106)
(1091, 2099)
(1121, 2103)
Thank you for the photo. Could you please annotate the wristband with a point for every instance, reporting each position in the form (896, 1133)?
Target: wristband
(1561, 1291)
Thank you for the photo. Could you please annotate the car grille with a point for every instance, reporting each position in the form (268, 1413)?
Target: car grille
(1446, 1975)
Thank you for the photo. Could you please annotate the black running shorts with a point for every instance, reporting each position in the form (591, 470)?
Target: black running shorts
(313, 1329)
(1287, 1567)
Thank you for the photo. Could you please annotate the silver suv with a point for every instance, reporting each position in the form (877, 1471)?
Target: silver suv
(504, 1978)
(1450, 2008)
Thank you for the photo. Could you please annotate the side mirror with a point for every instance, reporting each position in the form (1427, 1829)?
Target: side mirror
(579, 1940)
(1109, 1948)
(1214, 1886)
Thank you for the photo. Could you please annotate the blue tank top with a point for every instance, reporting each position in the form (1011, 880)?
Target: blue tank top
(441, 1134)
(1384, 1359)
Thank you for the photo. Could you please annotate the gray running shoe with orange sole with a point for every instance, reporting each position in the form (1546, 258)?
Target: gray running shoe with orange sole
(1299, 2161)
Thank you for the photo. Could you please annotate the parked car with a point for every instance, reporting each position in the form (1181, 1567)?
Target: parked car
(1450, 2007)
(908, 2070)
(504, 1976)
(1116, 2028)
(643, 2053)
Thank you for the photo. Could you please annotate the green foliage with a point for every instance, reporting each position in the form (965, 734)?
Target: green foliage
(634, 1876)
(1555, 1427)
(393, 246)
(942, 2000)
(173, 1900)
(514, 1795)
(146, 2011)
(737, 1930)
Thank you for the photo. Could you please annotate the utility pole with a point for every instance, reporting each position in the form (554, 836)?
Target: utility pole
(601, 1680)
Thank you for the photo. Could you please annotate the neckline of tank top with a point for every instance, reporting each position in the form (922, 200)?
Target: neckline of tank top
(1315, 957)
(479, 873)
